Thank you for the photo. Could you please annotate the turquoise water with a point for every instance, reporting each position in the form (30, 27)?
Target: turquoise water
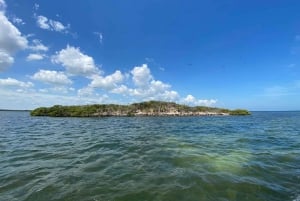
(232, 158)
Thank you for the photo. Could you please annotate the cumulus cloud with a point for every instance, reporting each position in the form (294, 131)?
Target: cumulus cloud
(37, 45)
(52, 77)
(191, 100)
(85, 92)
(75, 62)
(10, 82)
(122, 89)
(146, 87)
(170, 95)
(61, 89)
(42, 22)
(51, 25)
(109, 82)
(5, 60)
(11, 39)
(141, 75)
(34, 57)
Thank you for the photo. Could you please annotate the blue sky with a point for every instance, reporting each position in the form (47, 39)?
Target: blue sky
(232, 54)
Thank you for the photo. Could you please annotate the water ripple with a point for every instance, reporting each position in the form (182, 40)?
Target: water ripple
(150, 158)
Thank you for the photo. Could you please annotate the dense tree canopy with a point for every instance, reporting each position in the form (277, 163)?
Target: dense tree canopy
(150, 108)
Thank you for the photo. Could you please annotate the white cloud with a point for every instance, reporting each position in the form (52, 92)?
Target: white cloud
(122, 89)
(52, 77)
(2, 5)
(18, 21)
(38, 46)
(58, 26)
(158, 86)
(150, 60)
(206, 102)
(61, 89)
(85, 92)
(100, 36)
(171, 95)
(36, 6)
(32, 99)
(141, 75)
(42, 22)
(5, 60)
(109, 82)
(149, 89)
(51, 25)
(75, 62)
(191, 100)
(145, 87)
(10, 82)
(11, 40)
(34, 57)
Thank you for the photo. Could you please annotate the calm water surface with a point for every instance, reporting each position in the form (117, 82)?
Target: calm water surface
(251, 158)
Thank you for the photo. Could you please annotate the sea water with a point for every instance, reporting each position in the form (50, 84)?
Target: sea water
(228, 158)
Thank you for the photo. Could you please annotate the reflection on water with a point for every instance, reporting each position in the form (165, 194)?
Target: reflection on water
(157, 158)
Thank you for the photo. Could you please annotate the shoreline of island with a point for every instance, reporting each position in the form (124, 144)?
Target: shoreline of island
(149, 108)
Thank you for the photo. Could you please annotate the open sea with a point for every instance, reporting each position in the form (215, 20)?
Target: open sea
(227, 158)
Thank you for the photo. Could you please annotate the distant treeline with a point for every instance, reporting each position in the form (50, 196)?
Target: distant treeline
(150, 108)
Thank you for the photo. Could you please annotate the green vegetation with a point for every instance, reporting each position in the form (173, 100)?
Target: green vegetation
(239, 112)
(150, 108)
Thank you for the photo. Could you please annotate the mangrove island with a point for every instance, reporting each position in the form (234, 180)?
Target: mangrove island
(149, 108)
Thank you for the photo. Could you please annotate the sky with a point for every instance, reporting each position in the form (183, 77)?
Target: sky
(230, 54)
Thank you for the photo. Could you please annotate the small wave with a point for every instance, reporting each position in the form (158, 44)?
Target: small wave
(297, 198)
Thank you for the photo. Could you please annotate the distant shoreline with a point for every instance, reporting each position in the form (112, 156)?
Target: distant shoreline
(150, 108)
(9, 110)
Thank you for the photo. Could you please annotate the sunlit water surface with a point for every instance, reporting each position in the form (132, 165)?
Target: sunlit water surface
(232, 158)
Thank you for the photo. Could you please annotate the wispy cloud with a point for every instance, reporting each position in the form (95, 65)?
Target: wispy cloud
(291, 65)
(35, 57)
(99, 36)
(11, 82)
(36, 6)
(18, 21)
(51, 25)
(37, 46)
(288, 89)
